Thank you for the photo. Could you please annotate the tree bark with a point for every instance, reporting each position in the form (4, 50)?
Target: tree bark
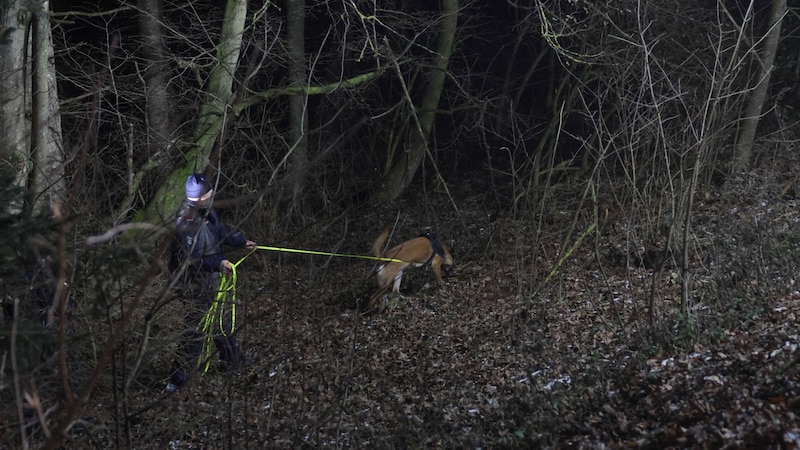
(743, 151)
(156, 77)
(30, 120)
(219, 94)
(49, 182)
(14, 91)
(402, 172)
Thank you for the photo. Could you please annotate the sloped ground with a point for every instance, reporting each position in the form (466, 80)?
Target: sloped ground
(497, 358)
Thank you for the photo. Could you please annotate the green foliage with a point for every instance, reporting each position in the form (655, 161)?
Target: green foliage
(684, 330)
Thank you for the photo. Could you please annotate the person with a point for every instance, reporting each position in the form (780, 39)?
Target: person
(198, 260)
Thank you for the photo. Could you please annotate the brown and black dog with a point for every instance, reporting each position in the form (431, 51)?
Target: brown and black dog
(416, 252)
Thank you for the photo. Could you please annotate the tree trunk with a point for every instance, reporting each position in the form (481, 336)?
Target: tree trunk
(30, 120)
(212, 118)
(298, 116)
(220, 87)
(49, 182)
(755, 102)
(14, 91)
(156, 77)
(402, 172)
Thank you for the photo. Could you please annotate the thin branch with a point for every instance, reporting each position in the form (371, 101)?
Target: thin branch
(114, 231)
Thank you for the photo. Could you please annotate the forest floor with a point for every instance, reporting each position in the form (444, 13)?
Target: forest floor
(499, 358)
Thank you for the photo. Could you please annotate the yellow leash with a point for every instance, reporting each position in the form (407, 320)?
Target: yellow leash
(227, 292)
(313, 252)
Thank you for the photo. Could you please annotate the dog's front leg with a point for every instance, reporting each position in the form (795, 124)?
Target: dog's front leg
(397, 279)
(436, 265)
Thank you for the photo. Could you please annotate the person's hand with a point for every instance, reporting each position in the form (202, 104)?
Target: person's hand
(226, 267)
(250, 245)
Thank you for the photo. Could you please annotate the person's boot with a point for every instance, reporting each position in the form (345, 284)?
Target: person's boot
(230, 354)
(177, 381)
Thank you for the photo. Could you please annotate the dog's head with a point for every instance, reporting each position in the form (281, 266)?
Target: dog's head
(447, 254)
(448, 262)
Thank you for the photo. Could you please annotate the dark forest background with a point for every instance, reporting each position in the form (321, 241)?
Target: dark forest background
(544, 139)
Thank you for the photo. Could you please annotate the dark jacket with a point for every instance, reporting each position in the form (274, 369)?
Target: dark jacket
(200, 237)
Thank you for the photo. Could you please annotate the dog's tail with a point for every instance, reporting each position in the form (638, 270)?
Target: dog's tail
(377, 246)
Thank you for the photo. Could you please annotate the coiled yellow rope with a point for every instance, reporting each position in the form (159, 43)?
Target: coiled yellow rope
(227, 294)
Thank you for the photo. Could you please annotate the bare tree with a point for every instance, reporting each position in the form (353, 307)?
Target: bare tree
(156, 75)
(423, 116)
(743, 152)
(33, 146)
(15, 146)
(654, 115)
(214, 114)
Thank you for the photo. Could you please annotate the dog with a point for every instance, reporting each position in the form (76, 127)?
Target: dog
(416, 252)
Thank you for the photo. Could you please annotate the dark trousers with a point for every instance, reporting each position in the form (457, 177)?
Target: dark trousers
(198, 295)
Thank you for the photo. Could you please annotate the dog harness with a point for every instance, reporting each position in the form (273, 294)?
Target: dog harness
(435, 245)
